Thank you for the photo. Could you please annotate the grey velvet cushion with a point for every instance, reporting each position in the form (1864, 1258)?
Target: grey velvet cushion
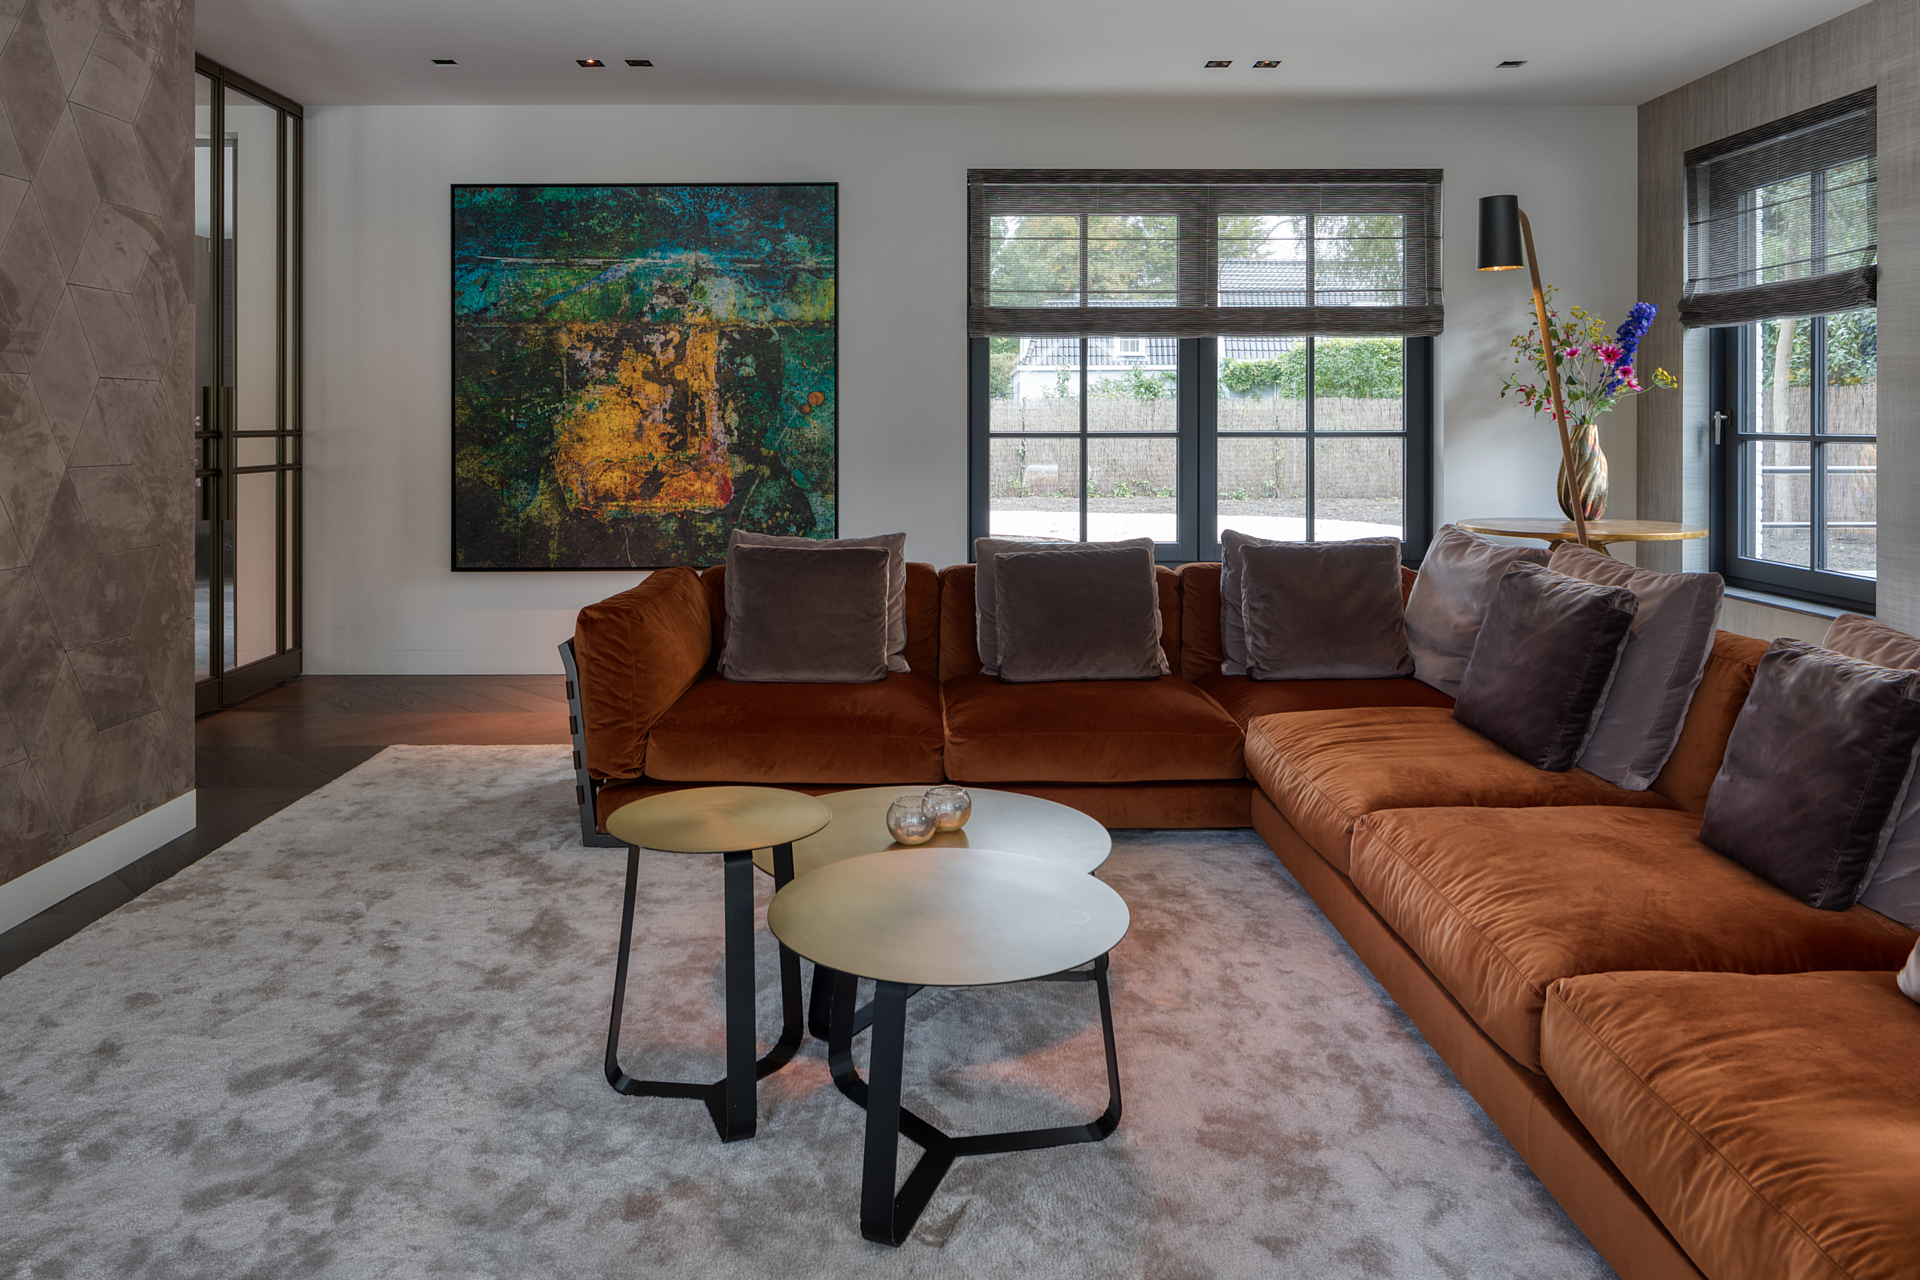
(1815, 768)
(1233, 626)
(1665, 657)
(1324, 610)
(896, 548)
(806, 615)
(1450, 598)
(985, 622)
(1893, 883)
(1543, 662)
(1078, 613)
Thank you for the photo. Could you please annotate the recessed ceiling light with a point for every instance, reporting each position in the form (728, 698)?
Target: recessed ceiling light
(1220, 62)
(1273, 62)
(445, 62)
(1513, 62)
(590, 62)
(639, 62)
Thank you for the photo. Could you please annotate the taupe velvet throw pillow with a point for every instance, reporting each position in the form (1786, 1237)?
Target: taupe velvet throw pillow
(1665, 657)
(1233, 615)
(1078, 613)
(1449, 601)
(1542, 664)
(1814, 772)
(896, 548)
(1893, 883)
(806, 615)
(1324, 610)
(986, 628)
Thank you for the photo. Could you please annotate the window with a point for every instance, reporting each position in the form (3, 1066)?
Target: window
(1782, 250)
(1171, 355)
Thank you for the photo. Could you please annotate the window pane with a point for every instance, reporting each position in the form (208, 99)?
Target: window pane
(1262, 386)
(1130, 489)
(1357, 489)
(1850, 216)
(1033, 384)
(1784, 225)
(253, 241)
(1132, 384)
(253, 550)
(1357, 384)
(1034, 262)
(256, 451)
(1852, 372)
(1263, 261)
(1263, 487)
(1132, 261)
(1035, 488)
(1358, 259)
(1778, 506)
(1783, 382)
(1851, 545)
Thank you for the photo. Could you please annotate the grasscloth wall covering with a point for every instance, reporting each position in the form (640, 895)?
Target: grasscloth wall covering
(1876, 44)
(96, 367)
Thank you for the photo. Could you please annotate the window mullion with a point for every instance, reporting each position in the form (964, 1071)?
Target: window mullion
(1085, 444)
(1310, 462)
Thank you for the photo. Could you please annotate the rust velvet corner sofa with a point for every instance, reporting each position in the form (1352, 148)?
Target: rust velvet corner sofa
(1655, 1029)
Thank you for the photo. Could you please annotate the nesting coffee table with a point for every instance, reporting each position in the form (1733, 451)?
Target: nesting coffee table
(943, 917)
(733, 821)
(1004, 820)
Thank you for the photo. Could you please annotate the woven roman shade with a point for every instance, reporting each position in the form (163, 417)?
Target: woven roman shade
(1203, 252)
(1781, 218)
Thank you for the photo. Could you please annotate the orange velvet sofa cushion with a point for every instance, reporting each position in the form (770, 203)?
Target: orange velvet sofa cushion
(1160, 730)
(853, 734)
(1246, 699)
(1717, 700)
(1501, 903)
(637, 652)
(1325, 770)
(1772, 1122)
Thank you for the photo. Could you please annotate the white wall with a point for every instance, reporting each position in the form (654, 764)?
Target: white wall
(380, 595)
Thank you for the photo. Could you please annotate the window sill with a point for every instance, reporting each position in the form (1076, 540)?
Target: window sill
(1790, 604)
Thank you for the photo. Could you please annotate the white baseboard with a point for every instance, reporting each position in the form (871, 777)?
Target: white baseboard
(26, 896)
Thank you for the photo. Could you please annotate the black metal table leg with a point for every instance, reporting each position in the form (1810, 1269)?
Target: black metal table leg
(731, 1101)
(887, 1217)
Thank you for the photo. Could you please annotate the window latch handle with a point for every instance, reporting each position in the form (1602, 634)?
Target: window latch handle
(1719, 419)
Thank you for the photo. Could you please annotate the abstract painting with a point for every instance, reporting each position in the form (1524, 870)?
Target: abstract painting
(638, 370)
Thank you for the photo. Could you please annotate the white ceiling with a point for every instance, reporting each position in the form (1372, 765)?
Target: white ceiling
(901, 51)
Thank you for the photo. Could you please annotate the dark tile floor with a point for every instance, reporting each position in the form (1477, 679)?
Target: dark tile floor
(259, 757)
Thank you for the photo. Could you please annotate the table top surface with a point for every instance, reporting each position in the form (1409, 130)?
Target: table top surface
(718, 819)
(1000, 820)
(948, 917)
(1597, 530)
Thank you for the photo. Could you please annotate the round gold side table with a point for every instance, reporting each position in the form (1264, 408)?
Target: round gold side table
(733, 821)
(948, 918)
(1600, 533)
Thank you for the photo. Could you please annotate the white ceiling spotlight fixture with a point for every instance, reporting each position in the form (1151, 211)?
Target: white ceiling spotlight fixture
(590, 62)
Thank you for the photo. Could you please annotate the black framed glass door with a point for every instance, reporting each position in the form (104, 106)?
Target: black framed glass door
(247, 464)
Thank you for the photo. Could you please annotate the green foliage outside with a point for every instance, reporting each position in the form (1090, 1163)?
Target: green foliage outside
(1853, 349)
(1361, 368)
(1138, 384)
(1003, 354)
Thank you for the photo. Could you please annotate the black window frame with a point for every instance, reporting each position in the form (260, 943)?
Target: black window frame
(1732, 357)
(1197, 472)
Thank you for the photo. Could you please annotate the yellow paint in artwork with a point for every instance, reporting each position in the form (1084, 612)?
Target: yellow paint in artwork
(652, 437)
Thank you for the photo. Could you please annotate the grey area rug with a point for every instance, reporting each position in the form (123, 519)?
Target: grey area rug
(364, 1040)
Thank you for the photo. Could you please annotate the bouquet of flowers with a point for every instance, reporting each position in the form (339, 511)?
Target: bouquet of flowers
(1596, 371)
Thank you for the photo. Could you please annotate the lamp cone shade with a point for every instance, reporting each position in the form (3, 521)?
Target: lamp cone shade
(1500, 233)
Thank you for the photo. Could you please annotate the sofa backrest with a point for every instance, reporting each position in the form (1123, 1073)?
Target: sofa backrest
(923, 615)
(959, 643)
(1200, 651)
(637, 652)
(1716, 705)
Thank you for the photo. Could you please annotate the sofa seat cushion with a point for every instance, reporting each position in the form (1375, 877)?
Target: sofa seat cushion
(1246, 698)
(1772, 1122)
(1502, 903)
(1325, 770)
(880, 732)
(1162, 730)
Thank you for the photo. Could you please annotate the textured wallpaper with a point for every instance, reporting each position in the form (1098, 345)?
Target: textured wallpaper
(96, 370)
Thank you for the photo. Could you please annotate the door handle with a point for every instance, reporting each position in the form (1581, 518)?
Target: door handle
(1719, 420)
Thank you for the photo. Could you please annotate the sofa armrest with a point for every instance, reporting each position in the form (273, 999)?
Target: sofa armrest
(638, 652)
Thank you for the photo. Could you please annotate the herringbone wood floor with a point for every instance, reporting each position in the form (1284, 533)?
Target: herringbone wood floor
(259, 757)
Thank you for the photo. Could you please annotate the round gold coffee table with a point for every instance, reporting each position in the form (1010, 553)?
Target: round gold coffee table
(1600, 533)
(732, 821)
(951, 918)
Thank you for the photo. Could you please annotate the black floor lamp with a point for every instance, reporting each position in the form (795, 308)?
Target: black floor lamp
(1504, 229)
